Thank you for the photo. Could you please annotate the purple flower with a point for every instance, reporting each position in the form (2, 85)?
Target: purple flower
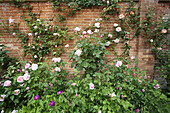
(59, 92)
(36, 97)
(52, 103)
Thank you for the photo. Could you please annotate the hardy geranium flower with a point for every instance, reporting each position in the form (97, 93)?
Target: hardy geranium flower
(34, 67)
(118, 29)
(121, 16)
(26, 76)
(56, 59)
(52, 103)
(118, 64)
(20, 79)
(91, 86)
(7, 83)
(78, 52)
(36, 97)
(57, 69)
(156, 86)
(164, 31)
(16, 92)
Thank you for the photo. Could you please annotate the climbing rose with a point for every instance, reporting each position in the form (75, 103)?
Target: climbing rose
(77, 29)
(17, 91)
(34, 67)
(108, 42)
(115, 24)
(14, 111)
(7, 83)
(55, 34)
(11, 20)
(143, 90)
(20, 79)
(52, 103)
(74, 84)
(26, 76)
(84, 32)
(57, 69)
(99, 111)
(156, 86)
(1, 99)
(91, 86)
(56, 59)
(118, 64)
(97, 25)
(35, 27)
(121, 16)
(27, 66)
(132, 57)
(36, 97)
(13, 34)
(151, 40)
(29, 34)
(118, 29)
(3, 96)
(78, 52)
(164, 31)
(67, 45)
(89, 32)
(113, 95)
(116, 40)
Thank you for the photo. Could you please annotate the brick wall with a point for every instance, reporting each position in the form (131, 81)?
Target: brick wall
(81, 19)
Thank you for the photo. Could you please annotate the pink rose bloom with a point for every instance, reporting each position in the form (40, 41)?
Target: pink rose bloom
(22, 85)
(89, 32)
(55, 34)
(35, 27)
(159, 48)
(16, 92)
(99, 111)
(115, 24)
(156, 86)
(122, 96)
(84, 32)
(56, 59)
(116, 40)
(28, 88)
(3, 96)
(108, 42)
(78, 52)
(101, 36)
(20, 79)
(1, 99)
(67, 45)
(77, 29)
(77, 95)
(29, 34)
(118, 29)
(11, 20)
(57, 69)
(91, 86)
(164, 31)
(132, 57)
(74, 84)
(26, 76)
(125, 80)
(143, 90)
(34, 67)
(134, 75)
(97, 25)
(70, 104)
(145, 77)
(118, 64)
(7, 83)
(27, 66)
(121, 16)
(113, 95)
(139, 80)
(13, 34)
(110, 35)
